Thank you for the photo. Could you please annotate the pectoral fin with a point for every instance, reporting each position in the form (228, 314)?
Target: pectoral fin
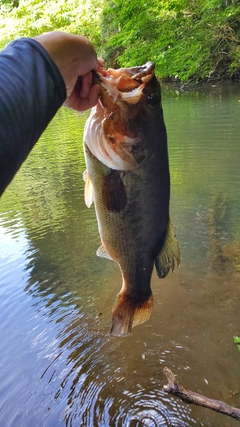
(169, 255)
(88, 189)
(114, 192)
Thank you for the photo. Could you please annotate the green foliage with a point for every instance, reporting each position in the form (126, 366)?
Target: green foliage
(237, 341)
(9, 3)
(34, 17)
(187, 39)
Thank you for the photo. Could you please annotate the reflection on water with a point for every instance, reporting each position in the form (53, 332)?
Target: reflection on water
(59, 366)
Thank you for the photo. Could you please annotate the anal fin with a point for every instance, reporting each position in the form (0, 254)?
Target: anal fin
(169, 255)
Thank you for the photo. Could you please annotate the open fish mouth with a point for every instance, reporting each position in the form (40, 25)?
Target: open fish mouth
(124, 84)
(111, 133)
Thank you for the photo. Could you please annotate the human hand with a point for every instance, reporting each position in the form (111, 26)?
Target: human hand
(75, 57)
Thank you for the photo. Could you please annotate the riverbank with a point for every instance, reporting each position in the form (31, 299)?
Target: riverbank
(188, 41)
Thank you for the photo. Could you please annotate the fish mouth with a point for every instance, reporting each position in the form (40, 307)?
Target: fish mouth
(123, 84)
(138, 73)
(117, 137)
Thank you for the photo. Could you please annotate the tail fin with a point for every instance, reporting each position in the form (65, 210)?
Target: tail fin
(129, 312)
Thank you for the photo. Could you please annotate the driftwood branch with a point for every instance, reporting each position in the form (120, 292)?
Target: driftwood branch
(173, 387)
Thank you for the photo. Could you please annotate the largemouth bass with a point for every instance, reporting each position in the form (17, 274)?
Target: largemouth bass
(127, 177)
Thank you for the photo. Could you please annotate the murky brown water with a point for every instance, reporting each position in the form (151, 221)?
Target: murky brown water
(58, 364)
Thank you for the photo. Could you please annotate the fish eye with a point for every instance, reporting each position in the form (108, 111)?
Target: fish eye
(153, 100)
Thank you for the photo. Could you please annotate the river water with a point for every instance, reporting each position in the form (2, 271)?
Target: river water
(58, 364)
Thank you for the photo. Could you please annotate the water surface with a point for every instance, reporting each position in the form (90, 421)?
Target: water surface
(58, 365)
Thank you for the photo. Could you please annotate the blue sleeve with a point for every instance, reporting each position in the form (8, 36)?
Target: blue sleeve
(32, 89)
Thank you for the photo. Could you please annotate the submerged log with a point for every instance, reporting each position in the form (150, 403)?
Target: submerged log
(173, 387)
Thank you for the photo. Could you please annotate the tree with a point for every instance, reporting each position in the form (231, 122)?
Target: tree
(187, 39)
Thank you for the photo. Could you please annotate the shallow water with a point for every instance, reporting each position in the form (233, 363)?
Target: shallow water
(58, 364)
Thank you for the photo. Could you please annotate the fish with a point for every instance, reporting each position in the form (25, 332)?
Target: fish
(127, 178)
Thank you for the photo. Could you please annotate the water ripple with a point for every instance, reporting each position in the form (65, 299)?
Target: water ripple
(140, 409)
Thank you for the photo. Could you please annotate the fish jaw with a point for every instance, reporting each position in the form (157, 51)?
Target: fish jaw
(115, 130)
(119, 88)
(126, 84)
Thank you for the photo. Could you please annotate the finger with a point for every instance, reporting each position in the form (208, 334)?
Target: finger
(86, 103)
(82, 104)
(94, 95)
(86, 85)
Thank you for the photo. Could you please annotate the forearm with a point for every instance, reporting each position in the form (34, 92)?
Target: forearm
(31, 91)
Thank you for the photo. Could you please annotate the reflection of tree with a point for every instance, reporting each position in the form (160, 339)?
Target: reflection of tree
(47, 196)
(217, 222)
(224, 257)
(54, 169)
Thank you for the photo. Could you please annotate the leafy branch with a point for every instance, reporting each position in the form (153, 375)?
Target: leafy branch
(237, 341)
